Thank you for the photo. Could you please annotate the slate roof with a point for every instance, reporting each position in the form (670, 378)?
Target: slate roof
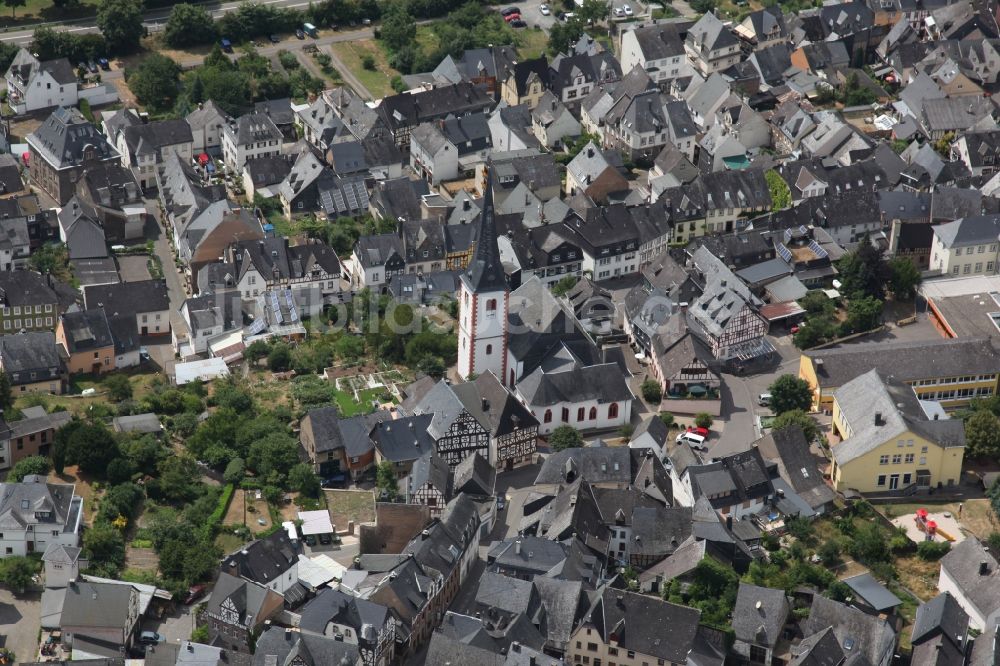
(377, 250)
(429, 470)
(796, 465)
(907, 361)
(20, 288)
(97, 606)
(969, 231)
(253, 127)
(405, 439)
(603, 382)
(962, 564)
(485, 272)
(87, 330)
(129, 297)
(760, 614)
(871, 636)
(331, 605)
(21, 503)
(63, 137)
(941, 615)
(273, 648)
(710, 33)
(34, 351)
(151, 138)
(144, 423)
(899, 412)
(475, 476)
(410, 109)
(352, 434)
(264, 560)
(605, 464)
(247, 597)
(644, 624)
(663, 40)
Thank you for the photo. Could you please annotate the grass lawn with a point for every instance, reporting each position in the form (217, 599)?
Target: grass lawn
(228, 542)
(348, 505)
(377, 81)
(35, 11)
(533, 43)
(349, 407)
(142, 383)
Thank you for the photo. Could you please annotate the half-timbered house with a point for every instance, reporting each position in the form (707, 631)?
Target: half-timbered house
(512, 428)
(428, 483)
(237, 611)
(726, 315)
(457, 434)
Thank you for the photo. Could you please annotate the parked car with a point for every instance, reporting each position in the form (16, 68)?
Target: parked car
(105, 65)
(764, 399)
(561, 16)
(544, 9)
(627, 9)
(501, 503)
(518, 23)
(510, 10)
(310, 539)
(335, 481)
(695, 440)
(274, 39)
(698, 430)
(300, 34)
(227, 45)
(512, 17)
(619, 11)
(92, 67)
(325, 539)
(151, 638)
(194, 593)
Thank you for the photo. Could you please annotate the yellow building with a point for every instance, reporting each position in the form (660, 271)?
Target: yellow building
(892, 440)
(950, 371)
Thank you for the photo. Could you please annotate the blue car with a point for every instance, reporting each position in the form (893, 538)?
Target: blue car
(227, 45)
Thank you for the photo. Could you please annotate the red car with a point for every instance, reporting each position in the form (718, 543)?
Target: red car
(194, 593)
(512, 17)
(698, 430)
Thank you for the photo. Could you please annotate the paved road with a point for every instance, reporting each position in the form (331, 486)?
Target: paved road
(153, 19)
(163, 353)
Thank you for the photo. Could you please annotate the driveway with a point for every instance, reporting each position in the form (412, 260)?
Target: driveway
(175, 627)
(19, 623)
(133, 268)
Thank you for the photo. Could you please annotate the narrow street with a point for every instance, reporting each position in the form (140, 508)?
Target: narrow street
(162, 352)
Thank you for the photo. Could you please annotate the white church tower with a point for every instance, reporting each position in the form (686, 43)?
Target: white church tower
(483, 300)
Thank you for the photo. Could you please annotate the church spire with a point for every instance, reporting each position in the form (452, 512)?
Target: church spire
(485, 272)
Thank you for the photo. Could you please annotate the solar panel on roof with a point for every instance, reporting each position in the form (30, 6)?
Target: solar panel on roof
(257, 327)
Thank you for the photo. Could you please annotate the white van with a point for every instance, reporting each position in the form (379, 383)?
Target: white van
(695, 440)
(764, 399)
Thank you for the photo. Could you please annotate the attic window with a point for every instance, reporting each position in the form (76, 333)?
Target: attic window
(25, 504)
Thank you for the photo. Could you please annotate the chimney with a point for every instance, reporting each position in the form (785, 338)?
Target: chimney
(984, 568)
(288, 634)
(486, 405)
(517, 547)
(878, 418)
(590, 151)
(190, 647)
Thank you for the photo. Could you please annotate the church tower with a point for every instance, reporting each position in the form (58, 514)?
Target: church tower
(483, 300)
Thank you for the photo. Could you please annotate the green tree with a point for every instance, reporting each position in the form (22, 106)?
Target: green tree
(863, 314)
(275, 454)
(385, 480)
(703, 420)
(667, 418)
(564, 35)
(6, 392)
(118, 387)
(652, 392)
(302, 479)
(593, 11)
(90, 445)
(258, 349)
(280, 357)
(39, 465)
(120, 21)
(179, 478)
(905, 278)
(789, 392)
(17, 572)
(982, 435)
(797, 417)
(398, 27)
(154, 81)
(829, 553)
(104, 545)
(563, 286)
(781, 196)
(817, 303)
(565, 437)
(14, 4)
(814, 332)
(235, 471)
(869, 545)
(864, 272)
(189, 25)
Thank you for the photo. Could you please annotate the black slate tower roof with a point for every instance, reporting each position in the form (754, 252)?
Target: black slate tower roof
(485, 270)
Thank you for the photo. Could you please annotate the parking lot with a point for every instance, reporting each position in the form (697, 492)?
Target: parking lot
(531, 14)
(176, 626)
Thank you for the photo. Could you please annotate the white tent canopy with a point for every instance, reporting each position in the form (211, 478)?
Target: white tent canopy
(315, 522)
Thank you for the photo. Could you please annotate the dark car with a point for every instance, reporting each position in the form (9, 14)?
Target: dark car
(509, 11)
(300, 34)
(92, 67)
(310, 539)
(518, 23)
(105, 65)
(335, 481)
(561, 16)
(227, 45)
(274, 39)
(325, 539)
(195, 592)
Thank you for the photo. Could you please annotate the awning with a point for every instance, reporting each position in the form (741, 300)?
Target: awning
(315, 522)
